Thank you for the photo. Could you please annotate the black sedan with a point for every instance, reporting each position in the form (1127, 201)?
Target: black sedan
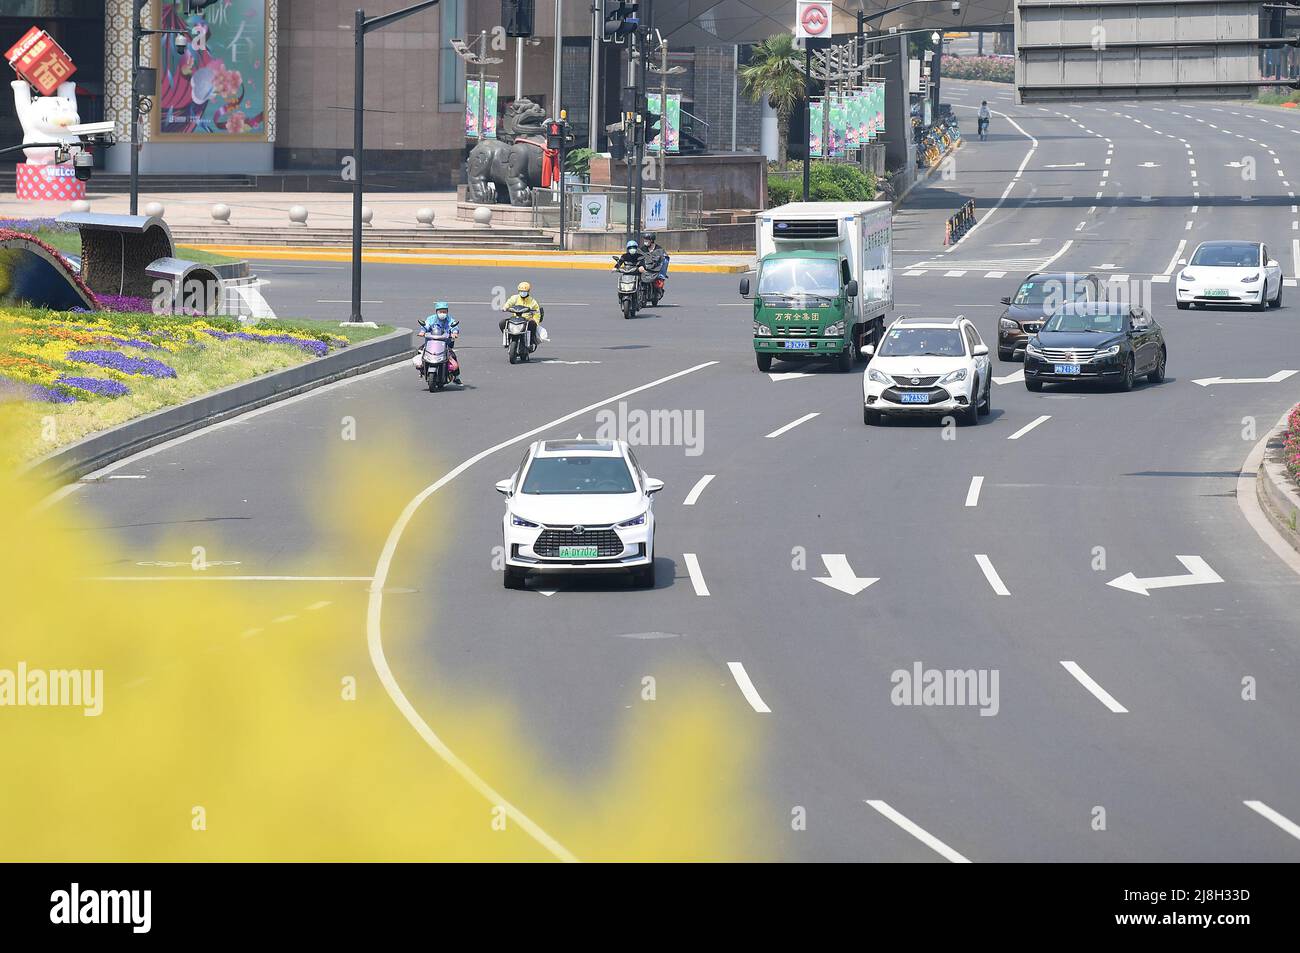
(1096, 342)
(1038, 296)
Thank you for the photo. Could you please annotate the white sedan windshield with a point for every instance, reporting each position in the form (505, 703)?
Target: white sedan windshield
(564, 475)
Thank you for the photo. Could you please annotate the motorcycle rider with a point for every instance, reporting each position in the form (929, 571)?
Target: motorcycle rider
(631, 257)
(982, 118)
(652, 255)
(441, 324)
(524, 299)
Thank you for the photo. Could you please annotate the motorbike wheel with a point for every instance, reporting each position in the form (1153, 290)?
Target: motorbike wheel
(432, 378)
(628, 309)
(513, 356)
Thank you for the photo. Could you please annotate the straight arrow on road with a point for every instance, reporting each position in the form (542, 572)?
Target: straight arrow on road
(1016, 377)
(842, 576)
(1272, 379)
(1198, 573)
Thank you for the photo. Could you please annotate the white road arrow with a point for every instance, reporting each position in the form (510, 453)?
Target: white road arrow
(1148, 165)
(788, 376)
(1010, 378)
(1274, 379)
(841, 575)
(1199, 574)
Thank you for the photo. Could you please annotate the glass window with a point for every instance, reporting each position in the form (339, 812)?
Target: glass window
(567, 475)
(451, 68)
(1036, 291)
(1101, 321)
(923, 342)
(1227, 255)
(800, 276)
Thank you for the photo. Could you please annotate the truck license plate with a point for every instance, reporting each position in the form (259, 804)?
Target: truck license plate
(796, 345)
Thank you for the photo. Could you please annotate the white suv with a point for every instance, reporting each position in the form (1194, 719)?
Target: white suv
(579, 506)
(928, 366)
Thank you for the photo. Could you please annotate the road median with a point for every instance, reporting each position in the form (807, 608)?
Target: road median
(1279, 494)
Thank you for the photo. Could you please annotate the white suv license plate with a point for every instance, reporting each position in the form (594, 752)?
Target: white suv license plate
(913, 397)
(1067, 369)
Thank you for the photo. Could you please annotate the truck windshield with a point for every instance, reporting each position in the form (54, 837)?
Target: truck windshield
(800, 276)
(919, 342)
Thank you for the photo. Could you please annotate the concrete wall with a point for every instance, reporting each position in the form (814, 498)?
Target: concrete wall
(727, 181)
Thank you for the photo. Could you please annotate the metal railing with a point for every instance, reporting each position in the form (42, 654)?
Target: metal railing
(685, 206)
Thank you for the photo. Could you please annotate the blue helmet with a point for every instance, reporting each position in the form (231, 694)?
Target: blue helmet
(441, 306)
(631, 246)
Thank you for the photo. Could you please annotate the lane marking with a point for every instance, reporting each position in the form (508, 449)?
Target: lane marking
(315, 606)
(792, 424)
(920, 833)
(697, 577)
(1178, 253)
(1010, 185)
(747, 688)
(374, 616)
(696, 490)
(973, 493)
(1263, 810)
(991, 573)
(1100, 693)
(1029, 426)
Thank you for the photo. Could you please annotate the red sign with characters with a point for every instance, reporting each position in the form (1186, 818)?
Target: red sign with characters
(40, 61)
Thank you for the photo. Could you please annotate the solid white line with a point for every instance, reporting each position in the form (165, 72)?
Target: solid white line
(375, 608)
(1010, 185)
(204, 577)
(1262, 809)
(697, 577)
(792, 424)
(1028, 427)
(991, 574)
(1087, 682)
(973, 493)
(747, 688)
(127, 476)
(1173, 262)
(696, 490)
(1295, 257)
(920, 833)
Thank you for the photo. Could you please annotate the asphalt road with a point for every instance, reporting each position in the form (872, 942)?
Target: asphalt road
(1147, 720)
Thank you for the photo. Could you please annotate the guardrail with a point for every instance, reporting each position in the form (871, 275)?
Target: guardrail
(685, 207)
(960, 223)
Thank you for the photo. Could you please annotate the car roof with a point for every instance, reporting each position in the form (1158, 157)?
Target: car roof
(579, 446)
(1221, 242)
(921, 322)
(1095, 307)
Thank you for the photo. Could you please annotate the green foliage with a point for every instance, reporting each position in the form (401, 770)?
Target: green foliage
(827, 182)
(775, 73)
(578, 161)
(991, 69)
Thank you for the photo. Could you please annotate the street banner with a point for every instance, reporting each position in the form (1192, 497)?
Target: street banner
(672, 126)
(216, 83)
(838, 126)
(595, 211)
(852, 102)
(486, 105)
(812, 19)
(655, 213)
(38, 59)
(489, 110)
(471, 108)
(815, 128)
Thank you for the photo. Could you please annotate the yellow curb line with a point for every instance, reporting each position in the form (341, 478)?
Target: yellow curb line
(288, 254)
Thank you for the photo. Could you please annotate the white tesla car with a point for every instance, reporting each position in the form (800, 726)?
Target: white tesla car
(928, 366)
(579, 506)
(1227, 272)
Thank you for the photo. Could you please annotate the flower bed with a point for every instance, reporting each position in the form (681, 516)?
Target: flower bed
(87, 371)
(1291, 444)
(991, 69)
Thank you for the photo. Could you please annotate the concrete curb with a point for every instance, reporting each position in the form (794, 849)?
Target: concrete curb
(1279, 497)
(100, 449)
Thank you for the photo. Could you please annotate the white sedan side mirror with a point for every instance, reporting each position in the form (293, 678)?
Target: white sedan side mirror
(1273, 264)
(504, 487)
(653, 486)
(980, 350)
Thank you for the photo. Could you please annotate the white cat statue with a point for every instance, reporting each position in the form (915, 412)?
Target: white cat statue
(46, 119)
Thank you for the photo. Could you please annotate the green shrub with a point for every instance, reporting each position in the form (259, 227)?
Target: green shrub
(827, 182)
(578, 161)
(782, 189)
(991, 69)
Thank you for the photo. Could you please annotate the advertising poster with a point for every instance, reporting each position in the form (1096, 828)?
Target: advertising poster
(595, 212)
(471, 109)
(476, 102)
(489, 110)
(655, 213)
(670, 126)
(216, 84)
(851, 111)
(815, 128)
(838, 126)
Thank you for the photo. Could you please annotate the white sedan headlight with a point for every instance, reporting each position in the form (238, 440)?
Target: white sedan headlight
(953, 377)
(520, 521)
(1250, 279)
(878, 377)
(1185, 276)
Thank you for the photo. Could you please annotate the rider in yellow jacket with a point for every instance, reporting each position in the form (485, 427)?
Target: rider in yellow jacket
(524, 298)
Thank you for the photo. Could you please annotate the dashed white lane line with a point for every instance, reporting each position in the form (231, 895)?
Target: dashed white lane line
(991, 573)
(791, 425)
(316, 606)
(375, 608)
(1032, 424)
(747, 688)
(920, 833)
(697, 577)
(284, 618)
(973, 492)
(1100, 693)
(696, 490)
(1263, 810)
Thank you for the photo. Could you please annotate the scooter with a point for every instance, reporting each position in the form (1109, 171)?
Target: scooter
(436, 364)
(514, 338)
(631, 290)
(658, 283)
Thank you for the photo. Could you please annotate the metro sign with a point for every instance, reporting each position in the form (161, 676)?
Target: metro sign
(812, 19)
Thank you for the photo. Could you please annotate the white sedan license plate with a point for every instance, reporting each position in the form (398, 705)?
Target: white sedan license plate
(1067, 368)
(796, 345)
(1216, 292)
(579, 552)
(911, 397)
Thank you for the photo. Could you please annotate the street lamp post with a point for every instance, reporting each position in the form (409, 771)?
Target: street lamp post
(361, 27)
(138, 33)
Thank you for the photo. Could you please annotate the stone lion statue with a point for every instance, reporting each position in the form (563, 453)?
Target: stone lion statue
(512, 163)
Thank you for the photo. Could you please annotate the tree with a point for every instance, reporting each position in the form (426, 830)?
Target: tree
(774, 71)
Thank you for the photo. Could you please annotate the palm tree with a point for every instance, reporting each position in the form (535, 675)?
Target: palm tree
(775, 71)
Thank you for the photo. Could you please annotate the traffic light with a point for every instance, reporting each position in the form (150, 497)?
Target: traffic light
(517, 17)
(651, 124)
(621, 18)
(617, 146)
(554, 134)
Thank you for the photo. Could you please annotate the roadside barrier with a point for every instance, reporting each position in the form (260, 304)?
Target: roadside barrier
(960, 223)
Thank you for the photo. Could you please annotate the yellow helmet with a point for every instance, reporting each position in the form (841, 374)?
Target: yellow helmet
(524, 288)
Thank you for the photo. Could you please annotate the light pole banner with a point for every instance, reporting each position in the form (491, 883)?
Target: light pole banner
(595, 212)
(838, 125)
(815, 128)
(852, 102)
(672, 124)
(480, 109)
(471, 109)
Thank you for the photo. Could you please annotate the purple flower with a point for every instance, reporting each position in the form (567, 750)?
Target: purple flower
(120, 362)
(50, 395)
(135, 342)
(95, 385)
(310, 345)
(124, 303)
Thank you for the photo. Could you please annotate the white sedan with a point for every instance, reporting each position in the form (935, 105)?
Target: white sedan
(928, 366)
(579, 506)
(1229, 272)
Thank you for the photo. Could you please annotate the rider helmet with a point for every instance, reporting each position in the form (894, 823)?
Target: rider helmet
(649, 237)
(523, 288)
(441, 306)
(631, 246)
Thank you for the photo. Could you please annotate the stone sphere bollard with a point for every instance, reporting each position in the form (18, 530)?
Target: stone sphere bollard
(221, 213)
(298, 215)
(81, 205)
(424, 216)
(367, 213)
(482, 215)
(155, 209)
